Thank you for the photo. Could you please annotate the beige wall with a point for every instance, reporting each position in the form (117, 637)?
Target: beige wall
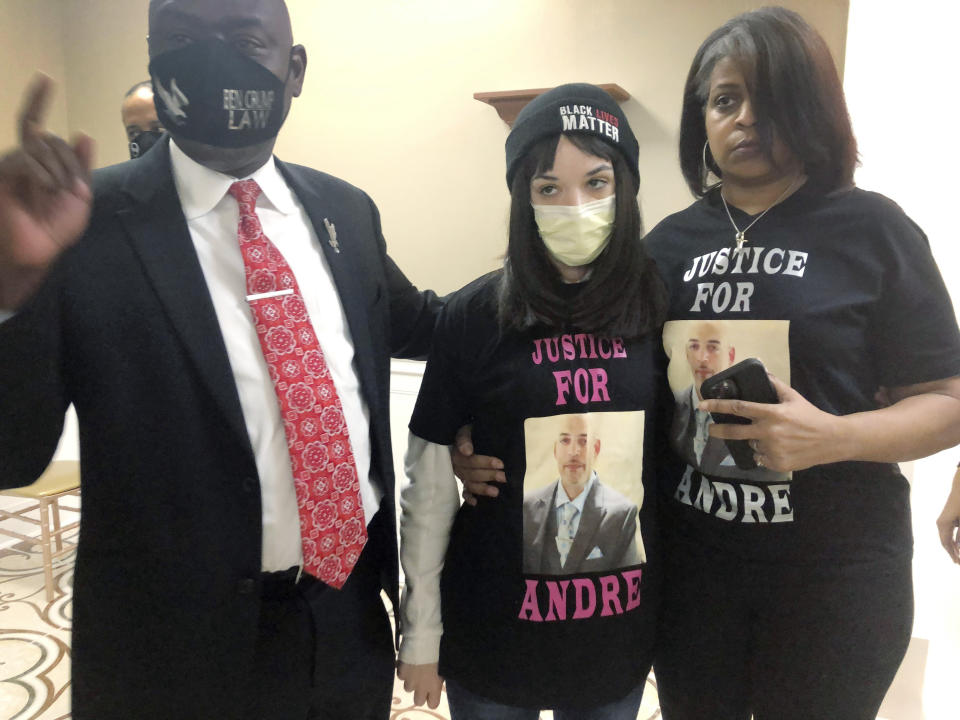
(388, 101)
(30, 32)
(921, 181)
(105, 47)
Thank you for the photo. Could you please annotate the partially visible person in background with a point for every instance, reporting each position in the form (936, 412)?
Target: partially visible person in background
(948, 524)
(140, 120)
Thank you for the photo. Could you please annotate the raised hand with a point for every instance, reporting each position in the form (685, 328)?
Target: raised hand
(45, 198)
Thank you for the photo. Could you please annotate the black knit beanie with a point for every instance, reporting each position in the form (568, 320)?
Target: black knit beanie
(573, 108)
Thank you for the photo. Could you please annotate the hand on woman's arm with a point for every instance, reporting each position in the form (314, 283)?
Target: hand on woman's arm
(794, 435)
(948, 524)
(477, 472)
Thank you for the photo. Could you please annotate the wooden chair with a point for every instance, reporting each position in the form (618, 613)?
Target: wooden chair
(60, 479)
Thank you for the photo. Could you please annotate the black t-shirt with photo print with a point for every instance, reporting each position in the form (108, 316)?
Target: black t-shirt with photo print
(866, 306)
(569, 639)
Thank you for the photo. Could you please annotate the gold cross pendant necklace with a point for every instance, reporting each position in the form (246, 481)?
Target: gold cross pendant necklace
(741, 235)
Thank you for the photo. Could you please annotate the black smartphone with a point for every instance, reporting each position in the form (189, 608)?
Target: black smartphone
(747, 380)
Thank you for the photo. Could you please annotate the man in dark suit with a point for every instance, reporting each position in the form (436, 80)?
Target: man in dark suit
(577, 524)
(692, 439)
(190, 599)
(140, 121)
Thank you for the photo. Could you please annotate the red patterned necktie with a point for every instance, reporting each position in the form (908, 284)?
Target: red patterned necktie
(333, 528)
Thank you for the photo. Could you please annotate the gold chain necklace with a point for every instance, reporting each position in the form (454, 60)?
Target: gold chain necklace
(740, 236)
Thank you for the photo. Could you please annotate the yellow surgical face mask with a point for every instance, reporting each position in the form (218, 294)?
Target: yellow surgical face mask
(576, 234)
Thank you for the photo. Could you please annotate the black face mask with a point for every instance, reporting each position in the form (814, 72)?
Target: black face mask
(143, 141)
(208, 92)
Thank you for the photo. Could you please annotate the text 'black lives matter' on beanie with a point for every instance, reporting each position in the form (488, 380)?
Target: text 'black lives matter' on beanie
(572, 108)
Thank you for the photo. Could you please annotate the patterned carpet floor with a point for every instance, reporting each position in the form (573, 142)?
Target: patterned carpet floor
(34, 636)
(35, 646)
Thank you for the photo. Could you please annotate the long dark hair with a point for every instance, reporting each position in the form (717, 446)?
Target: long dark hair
(623, 295)
(794, 88)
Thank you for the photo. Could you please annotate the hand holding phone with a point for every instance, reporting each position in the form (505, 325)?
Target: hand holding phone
(747, 380)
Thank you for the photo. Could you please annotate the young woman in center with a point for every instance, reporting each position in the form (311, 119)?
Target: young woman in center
(548, 595)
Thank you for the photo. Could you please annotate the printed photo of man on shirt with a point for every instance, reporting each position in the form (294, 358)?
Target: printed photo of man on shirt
(578, 522)
(699, 349)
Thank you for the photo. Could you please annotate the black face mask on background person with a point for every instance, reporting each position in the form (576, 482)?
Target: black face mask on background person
(143, 141)
(209, 93)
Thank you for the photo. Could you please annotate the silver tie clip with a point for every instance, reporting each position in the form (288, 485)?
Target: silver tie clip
(264, 296)
(332, 232)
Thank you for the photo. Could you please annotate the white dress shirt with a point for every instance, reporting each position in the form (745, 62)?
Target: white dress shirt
(568, 514)
(578, 502)
(212, 218)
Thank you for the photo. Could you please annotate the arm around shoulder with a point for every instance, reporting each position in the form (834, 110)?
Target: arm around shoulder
(413, 315)
(413, 312)
(923, 419)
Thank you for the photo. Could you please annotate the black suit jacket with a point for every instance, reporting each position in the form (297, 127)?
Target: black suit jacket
(685, 428)
(166, 591)
(607, 531)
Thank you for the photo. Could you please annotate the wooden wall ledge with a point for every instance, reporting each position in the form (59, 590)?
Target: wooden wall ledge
(510, 102)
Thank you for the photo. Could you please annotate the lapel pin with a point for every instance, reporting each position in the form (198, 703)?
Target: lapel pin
(332, 233)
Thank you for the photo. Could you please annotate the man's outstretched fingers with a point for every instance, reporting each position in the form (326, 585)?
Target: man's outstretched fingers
(34, 109)
(83, 150)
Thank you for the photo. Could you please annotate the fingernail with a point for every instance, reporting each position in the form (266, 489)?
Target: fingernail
(497, 465)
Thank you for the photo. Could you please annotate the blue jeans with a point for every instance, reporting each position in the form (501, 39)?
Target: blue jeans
(464, 705)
